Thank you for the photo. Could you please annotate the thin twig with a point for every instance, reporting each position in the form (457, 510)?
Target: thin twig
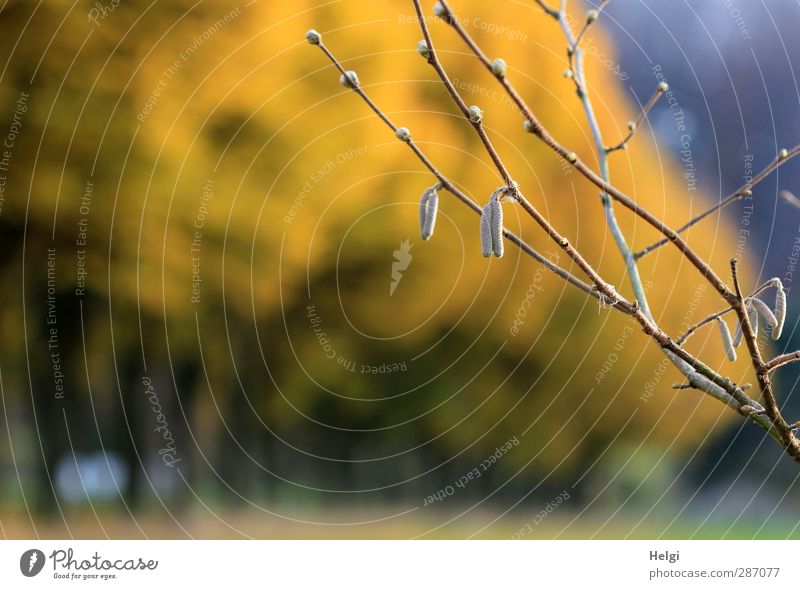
(433, 59)
(574, 42)
(782, 360)
(743, 191)
(575, 56)
(634, 125)
(689, 332)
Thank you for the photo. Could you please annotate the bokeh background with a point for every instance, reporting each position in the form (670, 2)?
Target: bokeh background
(200, 332)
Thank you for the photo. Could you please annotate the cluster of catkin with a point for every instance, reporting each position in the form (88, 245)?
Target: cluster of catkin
(757, 310)
(491, 219)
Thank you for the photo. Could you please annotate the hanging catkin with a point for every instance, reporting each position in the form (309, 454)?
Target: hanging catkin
(765, 312)
(428, 208)
(780, 310)
(486, 231)
(497, 228)
(492, 226)
(727, 343)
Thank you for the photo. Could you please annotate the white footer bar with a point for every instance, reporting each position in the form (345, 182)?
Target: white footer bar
(398, 564)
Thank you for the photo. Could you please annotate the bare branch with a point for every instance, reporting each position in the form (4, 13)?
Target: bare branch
(698, 374)
(743, 191)
(695, 371)
(576, 64)
(725, 390)
(782, 360)
(433, 59)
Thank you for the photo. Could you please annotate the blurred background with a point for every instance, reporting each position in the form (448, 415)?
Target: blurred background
(219, 319)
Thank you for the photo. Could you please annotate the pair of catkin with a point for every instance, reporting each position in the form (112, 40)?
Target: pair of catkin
(491, 220)
(428, 208)
(492, 226)
(755, 308)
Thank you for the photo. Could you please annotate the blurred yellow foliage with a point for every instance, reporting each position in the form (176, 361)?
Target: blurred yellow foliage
(302, 195)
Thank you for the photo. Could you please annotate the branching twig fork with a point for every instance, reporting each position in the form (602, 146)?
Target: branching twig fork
(634, 125)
